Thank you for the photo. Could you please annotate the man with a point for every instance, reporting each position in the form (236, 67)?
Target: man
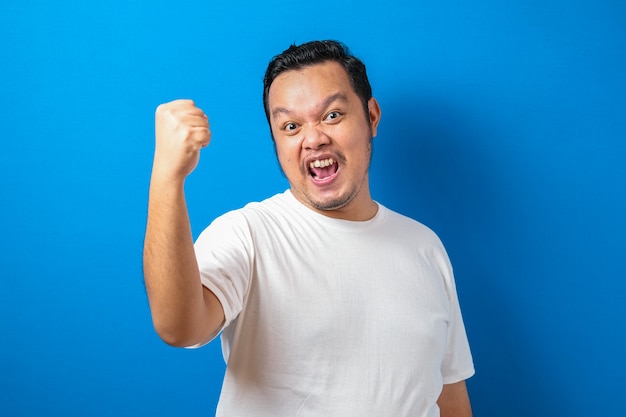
(328, 303)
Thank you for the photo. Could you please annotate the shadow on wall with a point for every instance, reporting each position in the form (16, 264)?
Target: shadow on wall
(440, 163)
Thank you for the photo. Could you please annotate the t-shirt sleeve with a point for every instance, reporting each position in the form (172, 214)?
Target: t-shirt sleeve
(225, 254)
(457, 363)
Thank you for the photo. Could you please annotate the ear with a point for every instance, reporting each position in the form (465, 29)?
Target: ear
(374, 114)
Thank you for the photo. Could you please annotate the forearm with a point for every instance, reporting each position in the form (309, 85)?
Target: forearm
(183, 311)
(180, 311)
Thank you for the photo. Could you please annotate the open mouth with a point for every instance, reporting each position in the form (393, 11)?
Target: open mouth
(321, 169)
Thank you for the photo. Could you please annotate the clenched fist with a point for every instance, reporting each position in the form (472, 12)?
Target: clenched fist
(182, 129)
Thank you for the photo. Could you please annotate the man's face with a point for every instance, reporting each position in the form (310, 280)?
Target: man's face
(323, 139)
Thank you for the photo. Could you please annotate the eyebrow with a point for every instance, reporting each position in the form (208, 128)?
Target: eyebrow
(327, 102)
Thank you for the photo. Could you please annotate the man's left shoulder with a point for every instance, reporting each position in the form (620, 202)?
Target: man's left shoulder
(409, 224)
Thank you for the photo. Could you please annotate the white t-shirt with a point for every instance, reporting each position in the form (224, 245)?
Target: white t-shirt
(328, 317)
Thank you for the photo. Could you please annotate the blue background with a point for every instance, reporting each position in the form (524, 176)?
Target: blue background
(503, 129)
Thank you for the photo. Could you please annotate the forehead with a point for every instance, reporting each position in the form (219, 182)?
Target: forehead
(294, 88)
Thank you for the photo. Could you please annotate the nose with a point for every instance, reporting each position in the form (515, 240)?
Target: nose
(314, 137)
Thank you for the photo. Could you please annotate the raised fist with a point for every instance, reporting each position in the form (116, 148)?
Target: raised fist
(182, 129)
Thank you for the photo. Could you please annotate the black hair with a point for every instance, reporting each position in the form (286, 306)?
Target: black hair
(317, 52)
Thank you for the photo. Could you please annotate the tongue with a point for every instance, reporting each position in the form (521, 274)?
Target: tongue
(321, 173)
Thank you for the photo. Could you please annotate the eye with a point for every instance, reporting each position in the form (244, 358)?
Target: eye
(333, 115)
(289, 127)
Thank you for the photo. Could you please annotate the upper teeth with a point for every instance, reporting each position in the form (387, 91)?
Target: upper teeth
(321, 163)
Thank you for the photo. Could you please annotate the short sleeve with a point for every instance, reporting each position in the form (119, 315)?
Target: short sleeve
(225, 254)
(457, 363)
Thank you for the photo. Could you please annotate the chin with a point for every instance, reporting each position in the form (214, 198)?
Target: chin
(330, 204)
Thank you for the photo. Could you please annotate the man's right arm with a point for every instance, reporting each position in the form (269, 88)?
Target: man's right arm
(184, 312)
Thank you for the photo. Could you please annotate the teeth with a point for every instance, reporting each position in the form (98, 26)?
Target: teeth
(322, 163)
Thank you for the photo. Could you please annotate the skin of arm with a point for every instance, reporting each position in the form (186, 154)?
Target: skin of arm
(454, 400)
(184, 313)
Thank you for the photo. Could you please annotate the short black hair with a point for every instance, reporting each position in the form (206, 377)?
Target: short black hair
(317, 52)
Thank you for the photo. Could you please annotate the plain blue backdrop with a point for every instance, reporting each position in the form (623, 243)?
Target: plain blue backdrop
(503, 129)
